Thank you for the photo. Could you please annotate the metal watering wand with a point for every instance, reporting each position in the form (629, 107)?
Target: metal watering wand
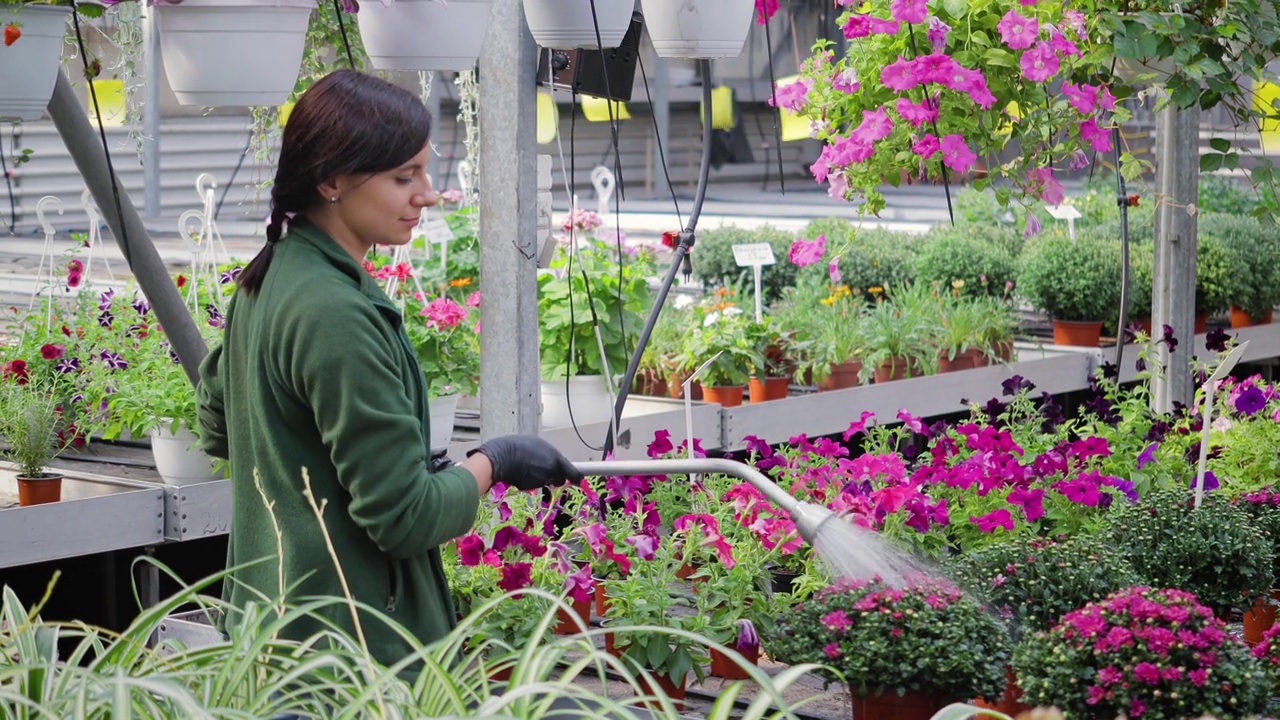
(808, 518)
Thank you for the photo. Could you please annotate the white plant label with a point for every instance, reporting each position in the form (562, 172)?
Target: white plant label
(755, 256)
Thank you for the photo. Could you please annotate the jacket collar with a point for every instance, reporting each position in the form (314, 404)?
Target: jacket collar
(314, 237)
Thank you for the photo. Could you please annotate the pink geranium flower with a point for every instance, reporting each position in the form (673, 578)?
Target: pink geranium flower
(442, 313)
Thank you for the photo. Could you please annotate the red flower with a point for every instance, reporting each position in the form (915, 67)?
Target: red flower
(74, 279)
(16, 369)
(66, 331)
(49, 351)
(182, 280)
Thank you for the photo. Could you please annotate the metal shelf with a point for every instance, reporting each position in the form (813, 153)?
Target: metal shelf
(96, 514)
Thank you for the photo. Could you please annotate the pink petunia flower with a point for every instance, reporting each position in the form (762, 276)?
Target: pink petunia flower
(791, 96)
(1046, 186)
(926, 146)
(1017, 31)
(908, 11)
(875, 126)
(1084, 98)
(807, 252)
(937, 34)
(900, 75)
(833, 272)
(1098, 138)
(1039, 63)
(916, 114)
(1031, 500)
(580, 585)
(1000, 518)
(956, 153)
(846, 81)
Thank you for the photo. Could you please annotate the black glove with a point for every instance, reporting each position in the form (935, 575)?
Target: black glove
(527, 462)
(439, 462)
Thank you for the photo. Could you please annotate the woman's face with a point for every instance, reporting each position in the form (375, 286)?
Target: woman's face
(383, 208)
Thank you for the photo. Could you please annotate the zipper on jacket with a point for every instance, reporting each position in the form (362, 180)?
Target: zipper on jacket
(391, 586)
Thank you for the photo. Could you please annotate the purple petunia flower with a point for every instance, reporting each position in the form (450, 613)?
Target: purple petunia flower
(67, 365)
(142, 306)
(104, 300)
(1210, 481)
(1148, 455)
(105, 319)
(1250, 400)
(113, 360)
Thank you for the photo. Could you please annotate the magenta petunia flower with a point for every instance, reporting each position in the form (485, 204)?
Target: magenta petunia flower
(880, 26)
(807, 252)
(926, 146)
(846, 81)
(470, 549)
(956, 153)
(908, 11)
(857, 26)
(1098, 138)
(875, 126)
(646, 545)
(515, 576)
(916, 114)
(936, 67)
(580, 585)
(1031, 500)
(791, 96)
(661, 444)
(1017, 31)
(1046, 186)
(833, 272)
(1039, 63)
(1062, 45)
(1084, 98)
(859, 425)
(900, 75)
(1000, 518)
(765, 9)
(937, 34)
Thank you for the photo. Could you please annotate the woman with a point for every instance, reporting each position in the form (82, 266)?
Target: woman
(315, 375)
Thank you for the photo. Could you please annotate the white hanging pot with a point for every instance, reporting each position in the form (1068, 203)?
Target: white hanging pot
(698, 29)
(179, 459)
(442, 411)
(30, 65)
(424, 34)
(588, 395)
(568, 24)
(233, 52)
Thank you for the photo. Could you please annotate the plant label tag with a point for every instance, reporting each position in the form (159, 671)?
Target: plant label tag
(756, 254)
(437, 231)
(1063, 212)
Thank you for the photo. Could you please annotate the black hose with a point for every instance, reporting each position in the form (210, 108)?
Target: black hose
(1122, 200)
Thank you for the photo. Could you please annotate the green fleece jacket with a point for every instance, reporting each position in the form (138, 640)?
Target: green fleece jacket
(315, 372)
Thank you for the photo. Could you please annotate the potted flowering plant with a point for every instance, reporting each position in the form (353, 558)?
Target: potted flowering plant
(938, 87)
(1263, 508)
(33, 425)
(725, 334)
(1142, 652)
(919, 646)
(444, 335)
(1213, 551)
(31, 33)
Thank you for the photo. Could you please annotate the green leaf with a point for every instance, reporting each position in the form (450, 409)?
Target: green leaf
(1210, 162)
(1222, 145)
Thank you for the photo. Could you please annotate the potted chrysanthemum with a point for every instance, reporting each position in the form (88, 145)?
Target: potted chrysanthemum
(906, 651)
(1142, 653)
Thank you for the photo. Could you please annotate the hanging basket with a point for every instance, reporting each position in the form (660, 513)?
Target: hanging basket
(698, 29)
(442, 412)
(30, 64)
(568, 24)
(587, 396)
(424, 34)
(233, 52)
(179, 460)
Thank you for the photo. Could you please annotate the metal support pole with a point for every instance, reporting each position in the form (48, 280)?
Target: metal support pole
(510, 382)
(662, 120)
(1174, 283)
(150, 114)
(86, 149)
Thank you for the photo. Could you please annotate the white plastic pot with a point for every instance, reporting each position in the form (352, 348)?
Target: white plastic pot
(588, 395)
(233, 52)
(568, 24)
(442, 411)
(179, 459)
(424, 34)
(29, 67)
(698, 29)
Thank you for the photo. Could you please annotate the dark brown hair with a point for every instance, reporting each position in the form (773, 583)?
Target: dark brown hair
(348, 122)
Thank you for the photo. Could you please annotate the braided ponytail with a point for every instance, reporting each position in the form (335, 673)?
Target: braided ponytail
(253, 274)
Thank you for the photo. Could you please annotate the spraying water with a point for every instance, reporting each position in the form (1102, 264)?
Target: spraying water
(856, 553)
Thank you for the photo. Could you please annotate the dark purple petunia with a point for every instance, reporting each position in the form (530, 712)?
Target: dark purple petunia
(67, 365)
(1210, 481)
(113, 360)
(1250, 400)
(142, 306)
(1159, 429)
(105, 319)
(1148, 455)
(216, 320)
(1167, 337)
(1217, 340)
(1013, 385)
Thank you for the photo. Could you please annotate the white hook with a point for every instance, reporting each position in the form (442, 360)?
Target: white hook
(602, 179)
(45, 201)
(192, 238)
(201, 180)
(91, 209)
(464, 176)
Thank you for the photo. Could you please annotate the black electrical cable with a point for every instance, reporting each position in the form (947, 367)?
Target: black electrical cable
(777, 111)
(342, 27)
(231, 181)
(662, 155)
(13, 204)
(679, 262)
(1122, 200)
(102, 134)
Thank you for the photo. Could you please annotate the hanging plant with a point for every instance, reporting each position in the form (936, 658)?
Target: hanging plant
(1001, 90)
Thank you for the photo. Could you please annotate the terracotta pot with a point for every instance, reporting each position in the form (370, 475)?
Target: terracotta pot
(686, 571)
(726, 395)
(568, 624)
(601, 599)
(1202, 323)
(1143, 323)
(1004, 350)
(895, 368)
(1077, 334)
(39, 490)
(666, 687)
(500, 676)
(962, 361)
(649, 382)
(1242, 319)
(844, 375)
(773, 388)
(1010, 703)
(723, 667)
(890, 706)
(1259, 619)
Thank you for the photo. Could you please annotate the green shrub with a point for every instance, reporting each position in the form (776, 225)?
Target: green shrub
(1218, 194)
(714, 266)
(1214, 278)
(837, 230)
(873, 258)
(1253, 257)
(1073, 280)
(967, 254)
